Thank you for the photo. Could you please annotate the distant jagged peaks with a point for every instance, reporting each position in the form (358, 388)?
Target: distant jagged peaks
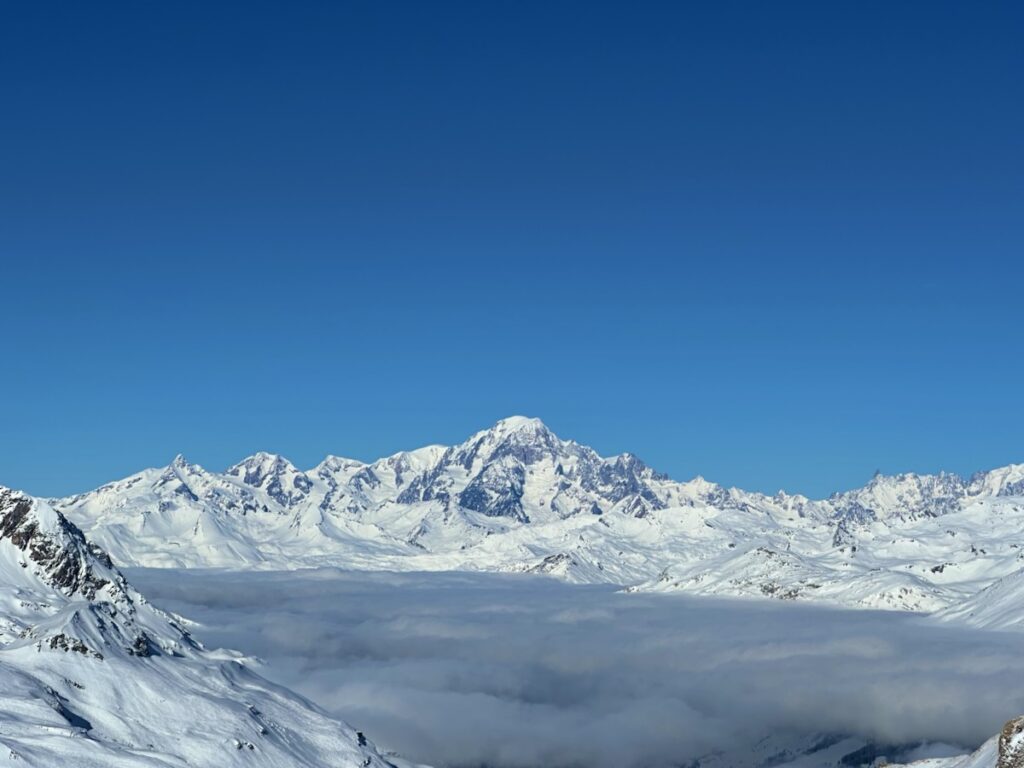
(494, 472)
(910, 495)
(262, 462)
(517, 470)
(1004, 481)
(515, 496)
(255, 470)
(528, 439)
(273, 473)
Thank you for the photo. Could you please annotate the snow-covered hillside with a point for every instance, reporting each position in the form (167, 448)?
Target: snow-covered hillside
(93, 675)
(1005, 750)
(516, 497)
(998, 606)
(986, 756)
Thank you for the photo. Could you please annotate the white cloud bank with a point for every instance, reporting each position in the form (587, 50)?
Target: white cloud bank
(469, 670)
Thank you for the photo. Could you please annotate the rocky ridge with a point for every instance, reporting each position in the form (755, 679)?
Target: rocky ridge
(93, 675)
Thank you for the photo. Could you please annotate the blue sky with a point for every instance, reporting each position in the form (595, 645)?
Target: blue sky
(774, 244)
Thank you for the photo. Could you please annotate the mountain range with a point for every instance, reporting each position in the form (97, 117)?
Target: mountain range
(94, 675)
(517, 498)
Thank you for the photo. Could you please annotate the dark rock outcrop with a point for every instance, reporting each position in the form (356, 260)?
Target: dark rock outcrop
(1011, 744)
(61, 555)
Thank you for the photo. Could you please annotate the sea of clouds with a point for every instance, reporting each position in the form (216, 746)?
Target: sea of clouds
(472, 669)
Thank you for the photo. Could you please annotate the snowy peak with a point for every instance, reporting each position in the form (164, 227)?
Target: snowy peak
(1004, 481)
(528, 424)
(525, 439)
(335, 464)
(272, 473)
(261, 467)
(911, 496)
(521, 472)
(907, 496)
(180, 464)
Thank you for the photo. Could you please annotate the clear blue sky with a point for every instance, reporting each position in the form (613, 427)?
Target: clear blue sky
(777, 244)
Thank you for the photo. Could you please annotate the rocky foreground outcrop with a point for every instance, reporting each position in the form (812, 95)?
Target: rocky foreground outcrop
(1011, 744)
(92, 675)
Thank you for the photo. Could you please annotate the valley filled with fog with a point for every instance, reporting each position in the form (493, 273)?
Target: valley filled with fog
(514, 670)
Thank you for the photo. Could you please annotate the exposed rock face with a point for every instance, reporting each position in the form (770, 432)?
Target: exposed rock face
(495, 468)
(497, 491)
(907, 496)
(56, 547)
(99, 607)
(1011, 744)
(843, 539)
(274, 474)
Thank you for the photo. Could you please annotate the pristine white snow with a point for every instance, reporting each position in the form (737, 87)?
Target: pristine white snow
(998, 606)
(517, 498)
(92, 675)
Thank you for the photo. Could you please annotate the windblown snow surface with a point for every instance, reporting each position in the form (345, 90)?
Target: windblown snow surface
(518, 670)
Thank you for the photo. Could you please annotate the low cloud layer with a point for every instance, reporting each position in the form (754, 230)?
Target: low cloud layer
(453, 669)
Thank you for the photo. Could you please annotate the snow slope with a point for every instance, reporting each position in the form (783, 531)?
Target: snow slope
(93, 675)
(998, 606)
(516, 497)
(985, 756)
(1006, 750)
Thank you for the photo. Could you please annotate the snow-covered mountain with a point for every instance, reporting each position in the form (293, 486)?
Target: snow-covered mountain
(93, 675)
(516, 497)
